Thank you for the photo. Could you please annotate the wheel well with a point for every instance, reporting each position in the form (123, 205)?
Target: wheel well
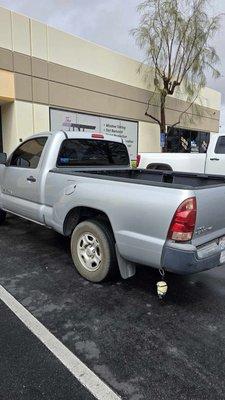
(80, 214)
(160, 166)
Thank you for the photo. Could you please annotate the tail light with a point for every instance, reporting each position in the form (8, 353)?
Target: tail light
(183, 223)
(138, 160)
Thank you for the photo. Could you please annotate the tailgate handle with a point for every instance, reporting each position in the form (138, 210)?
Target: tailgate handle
(214, 159)
(31, 179)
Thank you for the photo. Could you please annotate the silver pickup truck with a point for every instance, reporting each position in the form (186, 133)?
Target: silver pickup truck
(81, 185)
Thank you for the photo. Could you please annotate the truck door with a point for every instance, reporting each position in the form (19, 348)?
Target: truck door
(215, 162)
(21, 179)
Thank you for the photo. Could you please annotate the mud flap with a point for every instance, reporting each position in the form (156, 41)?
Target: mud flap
(127, 268)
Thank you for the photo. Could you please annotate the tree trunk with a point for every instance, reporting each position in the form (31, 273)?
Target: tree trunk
(163, 113)
(163, 118)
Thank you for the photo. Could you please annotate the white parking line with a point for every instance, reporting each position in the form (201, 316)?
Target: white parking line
(79, 370)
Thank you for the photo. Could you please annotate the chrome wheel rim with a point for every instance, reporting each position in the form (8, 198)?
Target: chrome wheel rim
(89, 251)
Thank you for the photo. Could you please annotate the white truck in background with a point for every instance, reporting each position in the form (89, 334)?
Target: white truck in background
(210, 162)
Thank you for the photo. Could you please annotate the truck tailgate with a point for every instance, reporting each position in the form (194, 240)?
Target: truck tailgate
(210, 223)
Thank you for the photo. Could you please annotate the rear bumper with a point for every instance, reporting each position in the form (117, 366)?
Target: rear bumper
(187, 259)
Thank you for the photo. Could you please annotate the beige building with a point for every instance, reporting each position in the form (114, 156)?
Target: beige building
(52, 80)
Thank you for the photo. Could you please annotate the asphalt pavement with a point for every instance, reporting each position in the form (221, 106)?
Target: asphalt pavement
(141, 347)
(28, 369)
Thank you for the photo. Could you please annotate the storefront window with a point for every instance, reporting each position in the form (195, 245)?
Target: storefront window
(74, 121)
(186, 141)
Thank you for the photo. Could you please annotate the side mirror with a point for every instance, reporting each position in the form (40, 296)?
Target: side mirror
(3, 158)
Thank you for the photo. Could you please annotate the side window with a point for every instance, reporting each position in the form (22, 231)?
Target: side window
(220, 145)
(28, 154)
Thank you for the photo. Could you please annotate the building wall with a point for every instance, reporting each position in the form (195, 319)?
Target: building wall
(20, 119)
(9, 127)
(149, 137)
(47, 83)
(54, 69)
(30, 37)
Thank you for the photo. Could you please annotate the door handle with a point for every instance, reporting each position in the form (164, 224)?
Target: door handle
(31, 179)
(214, 159)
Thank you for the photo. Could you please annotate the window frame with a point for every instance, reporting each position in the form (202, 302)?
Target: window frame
(91, 166)
(18, 147)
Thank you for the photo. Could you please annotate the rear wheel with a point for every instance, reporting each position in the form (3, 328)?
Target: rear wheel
(2, 216)
(93, 250)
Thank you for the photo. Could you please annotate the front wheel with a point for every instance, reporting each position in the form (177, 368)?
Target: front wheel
(2, 216)
(93, 250)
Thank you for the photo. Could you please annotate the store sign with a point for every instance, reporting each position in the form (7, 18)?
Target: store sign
(71, 121)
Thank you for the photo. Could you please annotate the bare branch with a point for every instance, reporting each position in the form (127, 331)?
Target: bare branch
(147, 113)
(183, 113)
(152, 117)
(171, 46)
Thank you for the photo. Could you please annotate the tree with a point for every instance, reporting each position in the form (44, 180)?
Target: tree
(176, 36)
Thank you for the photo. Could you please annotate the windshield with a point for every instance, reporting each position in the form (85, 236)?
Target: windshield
(89, 152)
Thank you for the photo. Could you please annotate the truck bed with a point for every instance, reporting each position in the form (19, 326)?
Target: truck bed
(170, 179)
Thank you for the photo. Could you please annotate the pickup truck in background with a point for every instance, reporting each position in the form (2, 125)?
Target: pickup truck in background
(81, 185)
(211, 161)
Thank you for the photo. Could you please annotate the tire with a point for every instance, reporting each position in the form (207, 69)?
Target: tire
(2, 216)
(93, 251)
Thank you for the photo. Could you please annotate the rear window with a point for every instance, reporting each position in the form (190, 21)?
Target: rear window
(88, 152)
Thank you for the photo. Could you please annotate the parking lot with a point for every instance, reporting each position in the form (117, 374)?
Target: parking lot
(142, 348)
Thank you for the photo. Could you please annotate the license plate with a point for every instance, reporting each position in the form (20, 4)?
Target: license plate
(222, 247)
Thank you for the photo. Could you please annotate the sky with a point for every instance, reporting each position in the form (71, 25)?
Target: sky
(108, 23)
